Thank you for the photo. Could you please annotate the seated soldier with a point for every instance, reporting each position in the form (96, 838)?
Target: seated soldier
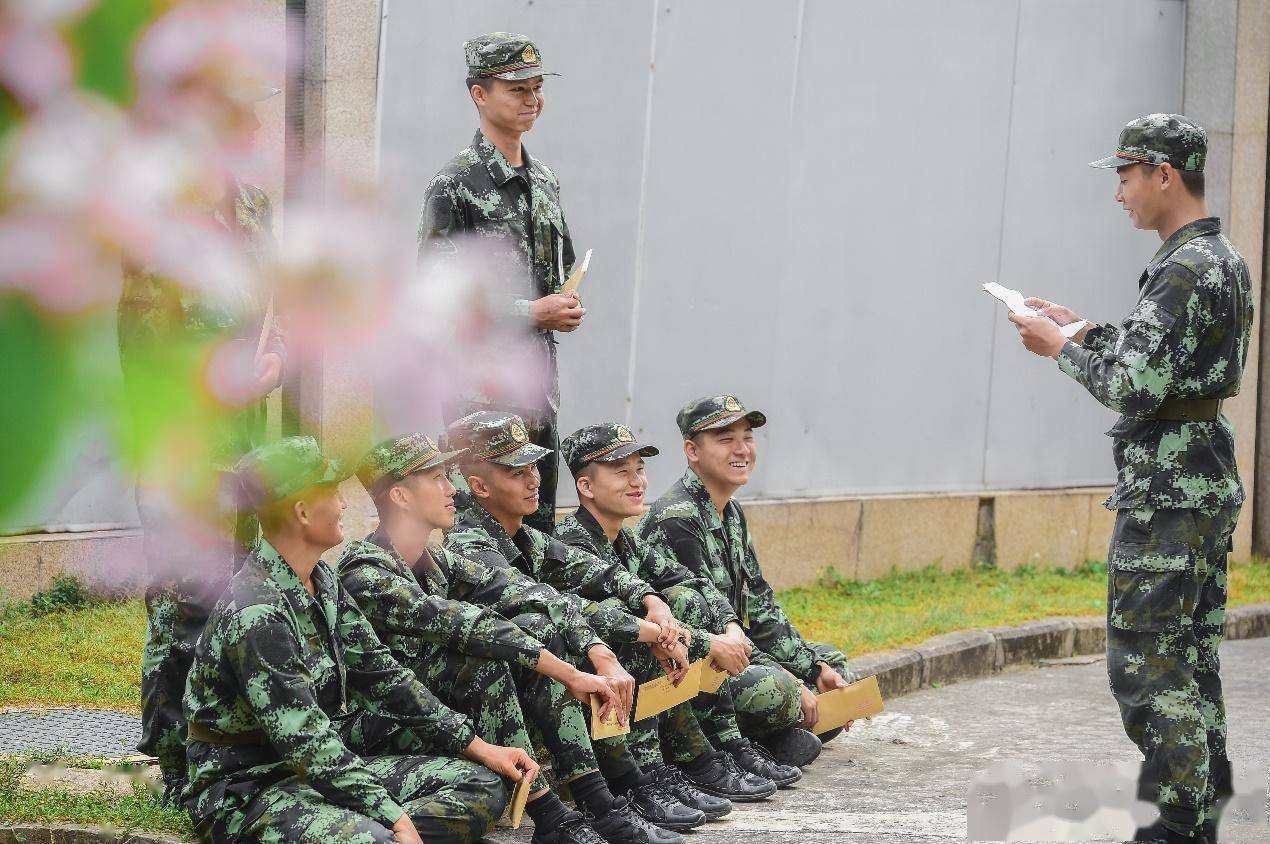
(476, 635)
(700, 523)
(501, 476)
(607, 464)
(302, 727)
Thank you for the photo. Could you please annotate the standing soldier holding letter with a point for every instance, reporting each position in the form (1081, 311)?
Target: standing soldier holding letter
(1167, 369)
(507, 203)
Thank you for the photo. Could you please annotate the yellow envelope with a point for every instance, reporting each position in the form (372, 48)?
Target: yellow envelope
(660, 694)
(605, 727)
(520, 796)
(579, 272)
(711, 679)
(861, 699)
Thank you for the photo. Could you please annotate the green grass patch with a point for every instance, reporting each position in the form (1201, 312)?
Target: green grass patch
(905, 609)
(72, 652)
(136, 811)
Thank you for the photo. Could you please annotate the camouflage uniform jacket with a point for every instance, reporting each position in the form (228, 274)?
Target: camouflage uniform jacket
(454, 602)
(478, 536)
(157, 317)
(660, 568)
(276, 668)
(1187, 337)
(517, 218)
(685, 524)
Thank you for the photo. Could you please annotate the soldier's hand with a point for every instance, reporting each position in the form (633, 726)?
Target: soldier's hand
(830, 679)
(1060, 314)
(557, 312)
(268, 373)
(810, 708)
(736, 633)
(673, 660)
(658, 612)
(511, 762)
(404, 832)
(607, 666)
(1039, 335)
(582, 685)
(729, 655)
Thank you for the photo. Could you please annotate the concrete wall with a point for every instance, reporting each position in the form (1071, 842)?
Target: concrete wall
(797, 201)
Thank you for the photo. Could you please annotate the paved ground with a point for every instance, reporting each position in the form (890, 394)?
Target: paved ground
(1027, 741)
(905, 777)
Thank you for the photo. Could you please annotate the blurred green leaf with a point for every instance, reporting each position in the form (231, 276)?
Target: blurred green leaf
(38, 385)
(103, 41)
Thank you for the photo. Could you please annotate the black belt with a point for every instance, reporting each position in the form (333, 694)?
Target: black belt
(1189, 410)
(209, 735)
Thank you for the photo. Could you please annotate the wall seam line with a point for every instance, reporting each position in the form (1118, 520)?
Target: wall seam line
(1005, 193)
(637, 283)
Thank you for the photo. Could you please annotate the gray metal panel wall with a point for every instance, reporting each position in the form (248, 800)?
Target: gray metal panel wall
(796, 202)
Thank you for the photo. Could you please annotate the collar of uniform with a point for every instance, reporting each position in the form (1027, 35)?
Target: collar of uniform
(291, 587)
(380, 537)
(701, 497)
(623, 546)
(499, 169)
(1179, 238)
(476, 517)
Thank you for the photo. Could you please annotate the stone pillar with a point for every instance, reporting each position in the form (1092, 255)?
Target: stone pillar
(333, 137)
(1227, 89)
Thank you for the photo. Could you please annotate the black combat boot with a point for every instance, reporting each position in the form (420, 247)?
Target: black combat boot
(719, 775)
(1158, 833)
(759, 762)
(793, 746)
(572, 829)
(662, 808)
(623, 825)
(678, 784)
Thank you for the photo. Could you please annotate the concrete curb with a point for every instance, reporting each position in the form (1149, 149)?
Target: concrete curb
(980, 653)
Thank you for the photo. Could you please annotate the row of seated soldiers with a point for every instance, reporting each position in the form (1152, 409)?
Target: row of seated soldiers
(398, 695)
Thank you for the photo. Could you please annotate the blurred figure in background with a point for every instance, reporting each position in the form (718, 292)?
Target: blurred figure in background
(169, 330)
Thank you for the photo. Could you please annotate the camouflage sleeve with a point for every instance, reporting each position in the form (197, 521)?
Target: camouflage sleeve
(1135, 374)
(682, 540)
(663, 570)
(767, 625)
(510, 592)
(1101, 338)
(392, 603)
(264, 653)
(574, 570)
(387, 688)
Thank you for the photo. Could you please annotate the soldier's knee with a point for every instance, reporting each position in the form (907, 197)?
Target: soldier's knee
(687, 605)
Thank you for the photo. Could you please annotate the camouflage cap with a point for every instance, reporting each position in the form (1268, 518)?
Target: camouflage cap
(277, 471)
(503, 55)
(715, 412)
(392, 460)
(1157, 139)
(602, 443)
(493, 436)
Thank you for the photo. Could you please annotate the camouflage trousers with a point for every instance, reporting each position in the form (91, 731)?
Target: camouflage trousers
(1166, 607)
(187, 568)
(764, 699)
(514, 706)
(450, 800)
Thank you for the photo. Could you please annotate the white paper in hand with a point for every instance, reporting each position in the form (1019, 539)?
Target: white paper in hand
(1013, 300)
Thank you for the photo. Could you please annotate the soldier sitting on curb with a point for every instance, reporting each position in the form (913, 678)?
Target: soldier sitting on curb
(700, 524)
(302, 727)
(483, 637)
(501, 475)
(608, 466)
